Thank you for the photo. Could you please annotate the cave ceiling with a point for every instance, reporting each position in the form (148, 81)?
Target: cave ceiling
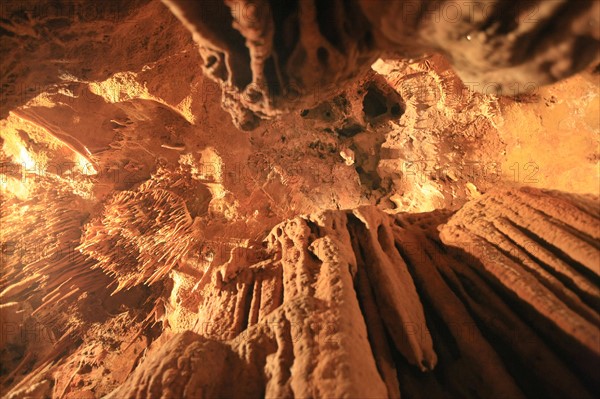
(303, 198)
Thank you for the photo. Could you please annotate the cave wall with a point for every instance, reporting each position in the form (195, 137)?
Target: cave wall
(499, 299)
(487, 302)
(151, 246)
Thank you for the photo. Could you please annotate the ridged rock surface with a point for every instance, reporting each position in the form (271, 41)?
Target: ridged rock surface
(365, 304)
(133, 211)
(270, 57)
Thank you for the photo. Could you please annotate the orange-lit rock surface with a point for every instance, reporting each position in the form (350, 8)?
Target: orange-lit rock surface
(271, 57)
(363, 303)
(388, 230)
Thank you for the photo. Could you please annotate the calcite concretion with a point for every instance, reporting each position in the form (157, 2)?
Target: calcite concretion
(271, 57)
(299, 199)
(367, 301)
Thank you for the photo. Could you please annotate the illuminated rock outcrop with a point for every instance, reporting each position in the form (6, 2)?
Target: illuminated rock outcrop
(272, 57)
(383, 228)
(362, 303)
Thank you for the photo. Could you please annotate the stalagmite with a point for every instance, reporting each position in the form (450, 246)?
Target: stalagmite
(327, 263)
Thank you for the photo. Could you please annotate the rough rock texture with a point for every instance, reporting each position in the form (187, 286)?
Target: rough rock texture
(134, 215)
(365, 304)
(133, 219)
(543, 247)
(271, 57)
(52, 296)
(500, 43)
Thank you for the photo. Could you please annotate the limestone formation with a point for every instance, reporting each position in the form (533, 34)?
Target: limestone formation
(272, 57)
(374, 305)
(411, 211)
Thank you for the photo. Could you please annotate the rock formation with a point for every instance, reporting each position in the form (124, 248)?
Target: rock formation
(364, 304)
(272, 57)
(389, 224)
